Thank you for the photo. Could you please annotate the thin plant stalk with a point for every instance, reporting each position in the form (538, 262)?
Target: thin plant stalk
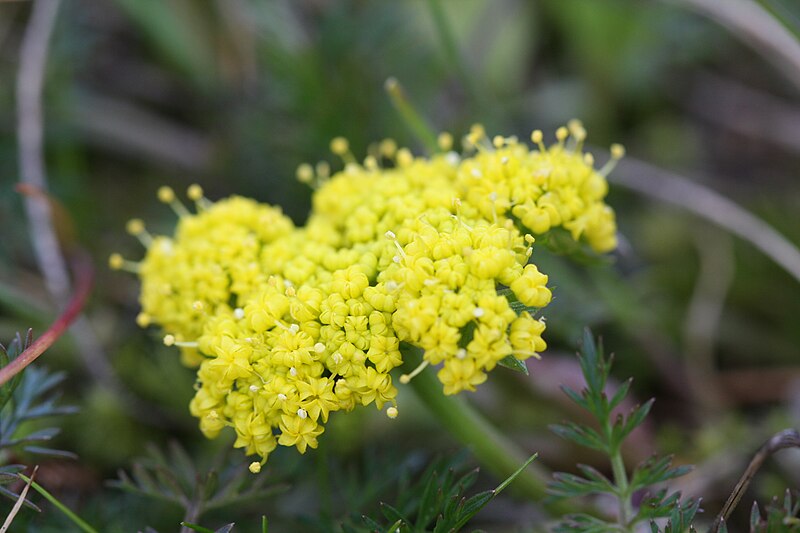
(492, 448)
(410, 115)
(624, 495)
(78, 521)
(454, 57)
(18, 503)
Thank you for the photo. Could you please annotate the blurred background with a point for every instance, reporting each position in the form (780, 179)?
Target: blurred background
(235, 94)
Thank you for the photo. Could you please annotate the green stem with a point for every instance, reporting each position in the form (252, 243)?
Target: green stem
(624, 490)
(493, 449)
(61, 507)
(410, 116)
(451, 48)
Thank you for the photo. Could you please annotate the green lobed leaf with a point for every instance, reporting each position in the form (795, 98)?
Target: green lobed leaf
(581, 435)
(198, 528)
(624, 425)
(514, 364)
(583, 523)
(575, 397)
(392, 514)
(656, 470)
(755, 516)
(620, 395)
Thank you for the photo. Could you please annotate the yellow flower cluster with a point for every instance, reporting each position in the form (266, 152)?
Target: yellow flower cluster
(289, 324)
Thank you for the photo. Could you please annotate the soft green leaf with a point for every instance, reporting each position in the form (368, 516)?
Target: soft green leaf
(196, 527)
(514, 364)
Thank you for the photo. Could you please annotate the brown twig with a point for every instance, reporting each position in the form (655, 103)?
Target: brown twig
(788, 438)
(83, 284)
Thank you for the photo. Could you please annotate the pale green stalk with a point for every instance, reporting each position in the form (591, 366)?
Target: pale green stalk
(496, 452)
(624, 491)
(450, 47)
(410, 116)
(60, 506)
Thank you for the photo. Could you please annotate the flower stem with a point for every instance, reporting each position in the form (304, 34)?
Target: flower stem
(418, 126)
(78, 521)
(493, 449)
(624, 490)
(451, 48)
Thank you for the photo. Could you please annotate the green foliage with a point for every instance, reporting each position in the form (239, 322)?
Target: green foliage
(435, 503)
(25, 398)
(778, 516)
(173, 477)
(608, 438)
(227, 528)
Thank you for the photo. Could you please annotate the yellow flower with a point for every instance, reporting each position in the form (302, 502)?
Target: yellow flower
(289, 325)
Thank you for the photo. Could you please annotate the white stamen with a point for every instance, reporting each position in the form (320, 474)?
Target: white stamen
(461, 353)
(238, 313)
(319, 347)
(302, 413)
(478, 312)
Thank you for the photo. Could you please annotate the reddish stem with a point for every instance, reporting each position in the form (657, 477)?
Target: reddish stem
(84, 274)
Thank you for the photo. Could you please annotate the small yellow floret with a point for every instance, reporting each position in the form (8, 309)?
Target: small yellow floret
(445, 141)
(194, 192)
(392, 412)
(143, 320)
(115, 261)
(617, 151)
(388, 148)
(476, 133)
(169, 340)
(255, 467)
(135, 226)
(305, 173)
(404, 157)
(323, 169)
(339, 145)
(166, 194)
